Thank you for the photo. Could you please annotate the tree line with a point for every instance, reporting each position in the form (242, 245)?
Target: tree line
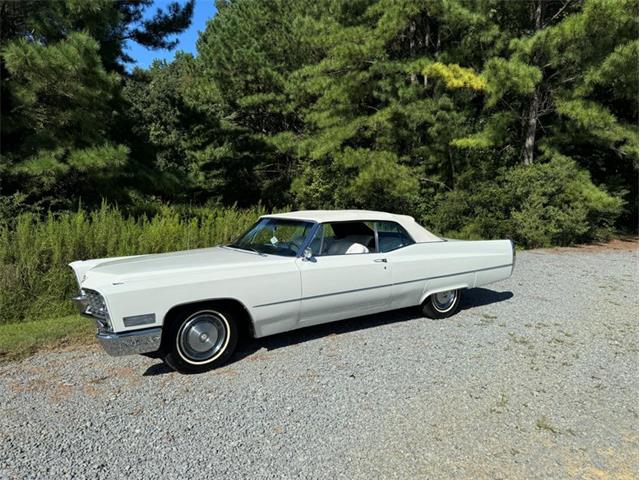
(482, 118)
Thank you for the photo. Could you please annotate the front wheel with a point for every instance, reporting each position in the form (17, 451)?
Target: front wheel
(201, 339)
(442, 304)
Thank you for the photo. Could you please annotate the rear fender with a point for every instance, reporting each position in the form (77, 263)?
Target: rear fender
(428, 292)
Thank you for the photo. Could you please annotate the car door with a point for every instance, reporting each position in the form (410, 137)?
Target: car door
(337, 284)
(407, 264)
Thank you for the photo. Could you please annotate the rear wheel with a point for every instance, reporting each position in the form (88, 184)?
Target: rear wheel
(442, 304)
(200, 339)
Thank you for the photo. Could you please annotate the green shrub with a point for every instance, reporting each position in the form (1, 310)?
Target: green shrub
(552, 203)
(35, 281)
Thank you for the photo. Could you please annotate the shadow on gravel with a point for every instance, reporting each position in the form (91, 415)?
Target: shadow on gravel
(478, 297)
(474, 297)
(157, 369)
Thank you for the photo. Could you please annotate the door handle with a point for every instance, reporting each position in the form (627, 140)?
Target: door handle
(380, 260)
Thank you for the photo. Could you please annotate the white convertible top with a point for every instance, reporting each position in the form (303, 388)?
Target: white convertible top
(417, 232)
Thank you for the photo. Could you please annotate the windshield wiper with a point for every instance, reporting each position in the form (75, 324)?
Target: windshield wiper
(233, 245)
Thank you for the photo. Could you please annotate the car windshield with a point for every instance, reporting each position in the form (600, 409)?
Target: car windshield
(275, 236)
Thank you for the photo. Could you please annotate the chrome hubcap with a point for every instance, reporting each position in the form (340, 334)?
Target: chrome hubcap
(202, 336)
(443, 301)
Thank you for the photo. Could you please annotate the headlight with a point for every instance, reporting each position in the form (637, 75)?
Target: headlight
(95, 304)
(91, 303)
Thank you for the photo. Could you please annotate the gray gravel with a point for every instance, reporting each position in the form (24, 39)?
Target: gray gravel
(537, 377)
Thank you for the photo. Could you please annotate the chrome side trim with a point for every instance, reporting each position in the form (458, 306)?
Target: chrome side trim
(382, 286)
(278, 302)
(324, 295)
(453, 274)
(130, 343)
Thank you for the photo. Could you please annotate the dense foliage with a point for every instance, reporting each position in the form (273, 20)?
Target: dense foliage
(483, 118)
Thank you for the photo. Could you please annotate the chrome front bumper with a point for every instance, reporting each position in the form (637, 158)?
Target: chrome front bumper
(130, 343)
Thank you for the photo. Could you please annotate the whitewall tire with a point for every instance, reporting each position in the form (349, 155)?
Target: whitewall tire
(200, 339)
(442, 304)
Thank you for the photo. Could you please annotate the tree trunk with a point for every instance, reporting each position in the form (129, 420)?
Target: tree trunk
(534, 104)
(427, 40)
(412, 48)
(532, 122)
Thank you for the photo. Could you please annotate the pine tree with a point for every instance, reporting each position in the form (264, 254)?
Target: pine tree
(62, 64)
(246, 56)
(385, 103)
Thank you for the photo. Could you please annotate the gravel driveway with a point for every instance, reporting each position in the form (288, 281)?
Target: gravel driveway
(537, 377)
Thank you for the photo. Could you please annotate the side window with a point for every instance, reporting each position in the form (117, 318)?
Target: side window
(391, 236)
(343, 238)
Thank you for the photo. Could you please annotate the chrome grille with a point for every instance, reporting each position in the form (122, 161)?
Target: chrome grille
(96, 307)
(95, 304)
(92, 304)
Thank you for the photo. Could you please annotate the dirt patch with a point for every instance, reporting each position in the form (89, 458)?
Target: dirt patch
(227, 372)
(80, 344)
(259, 357)
(625, 244)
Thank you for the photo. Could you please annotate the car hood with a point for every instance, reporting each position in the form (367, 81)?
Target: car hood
(127, 269)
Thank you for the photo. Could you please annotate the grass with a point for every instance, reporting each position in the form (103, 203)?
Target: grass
(543, 424)
(501, 405)
(19, 340)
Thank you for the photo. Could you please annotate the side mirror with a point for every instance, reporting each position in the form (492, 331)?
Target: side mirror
(307, 254)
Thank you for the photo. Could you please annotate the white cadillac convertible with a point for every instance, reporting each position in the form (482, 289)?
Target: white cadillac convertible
(287, 271)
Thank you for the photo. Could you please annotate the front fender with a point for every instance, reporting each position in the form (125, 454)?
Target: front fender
(81, 267)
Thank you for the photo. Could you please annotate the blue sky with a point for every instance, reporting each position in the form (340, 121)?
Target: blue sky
(203, 11)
